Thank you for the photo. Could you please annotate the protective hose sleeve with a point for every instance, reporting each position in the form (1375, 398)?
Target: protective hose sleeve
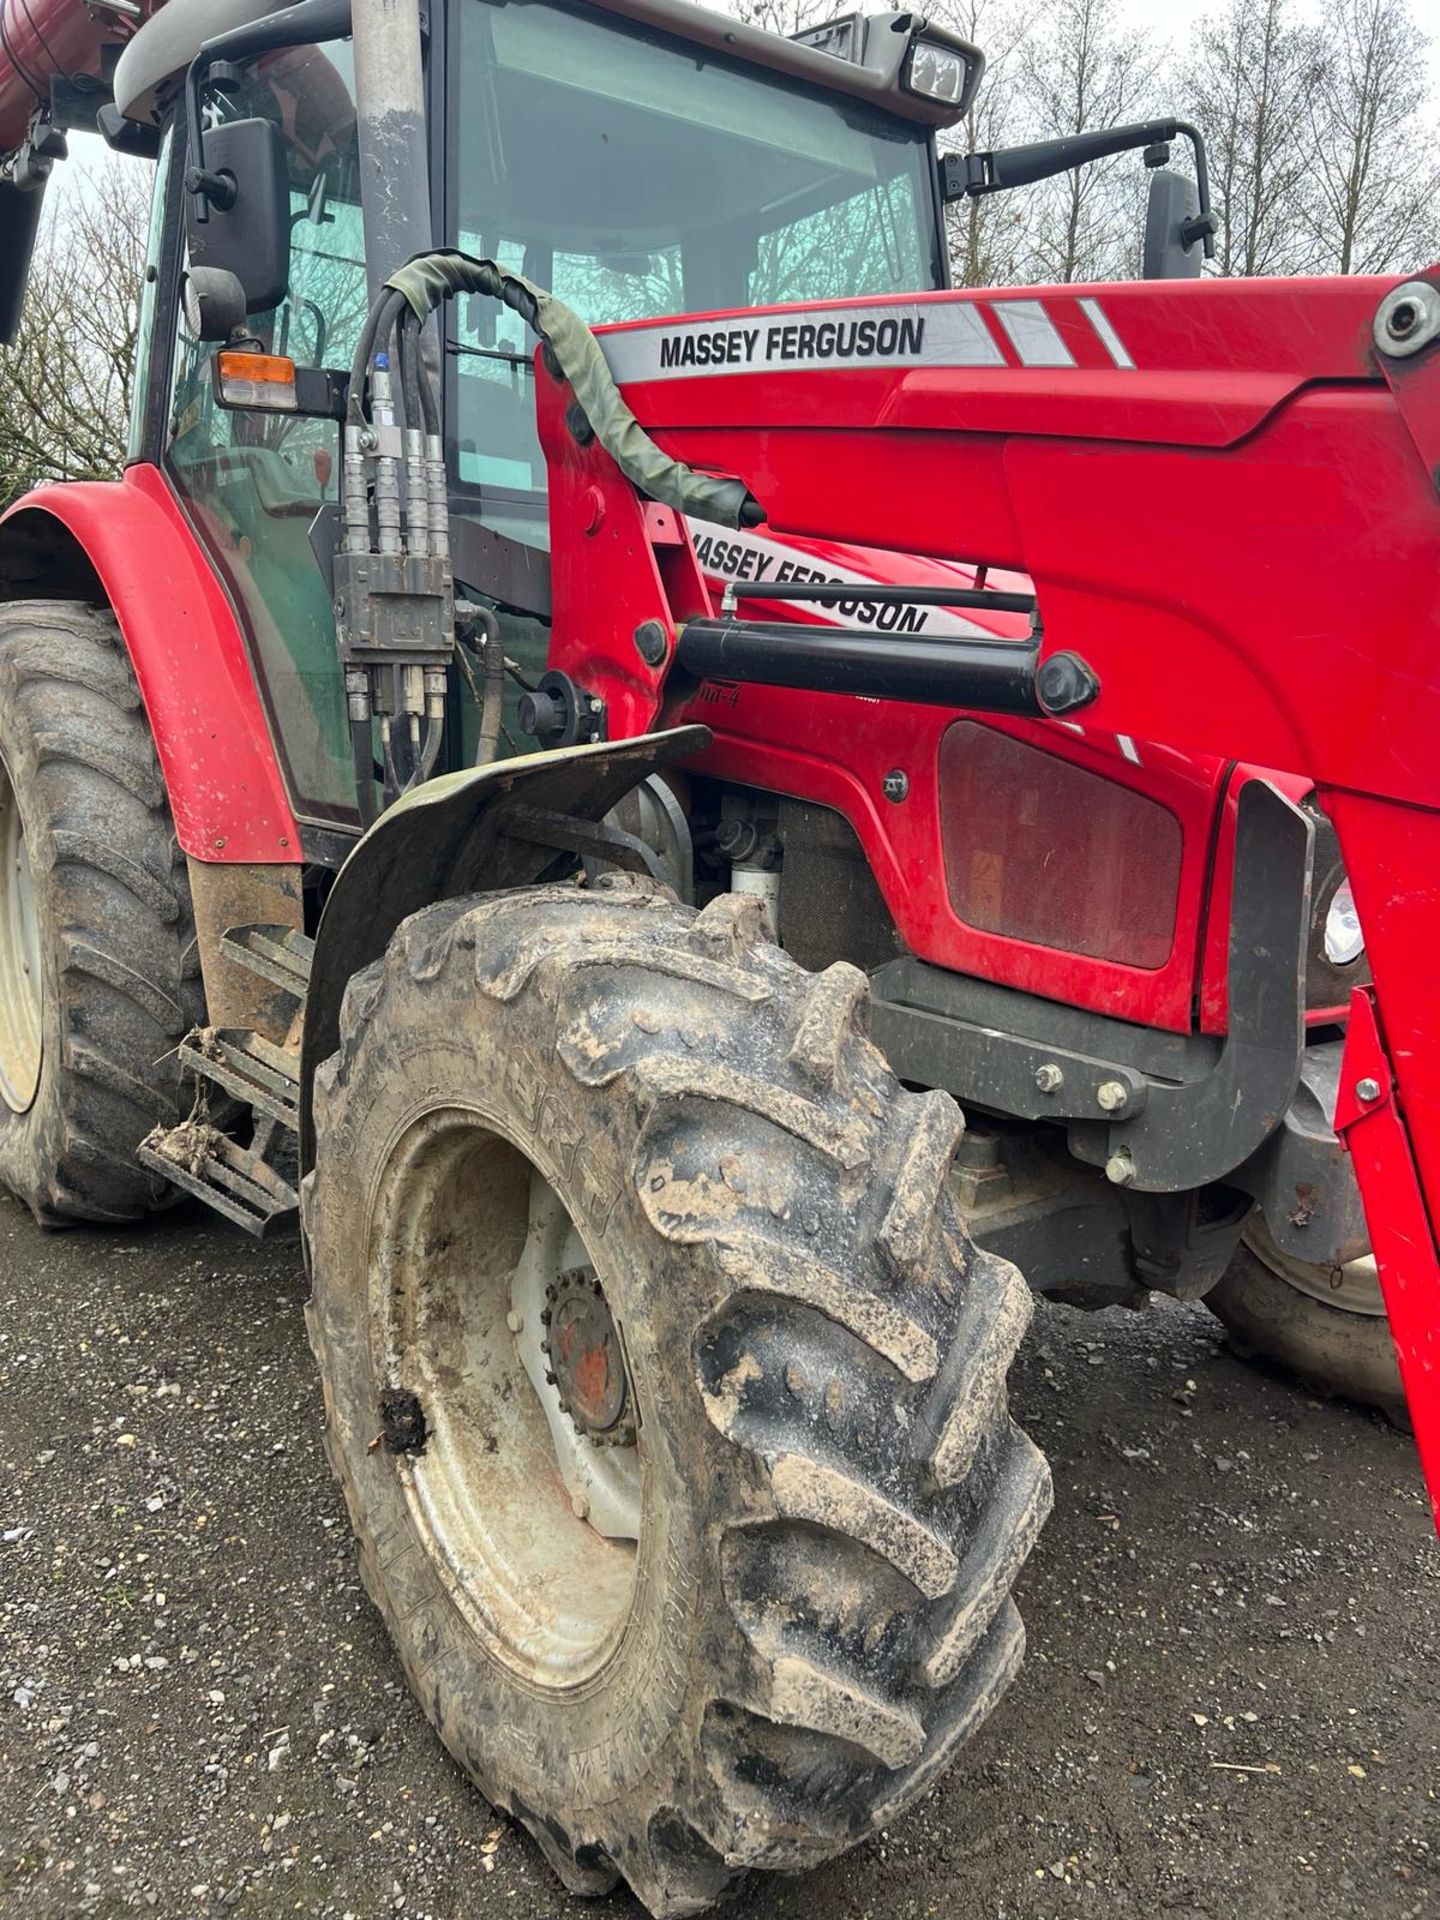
(430, 278)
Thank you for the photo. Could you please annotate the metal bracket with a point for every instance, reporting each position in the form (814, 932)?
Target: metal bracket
(1194, 1133)
(567, 833)
(1160, 1118)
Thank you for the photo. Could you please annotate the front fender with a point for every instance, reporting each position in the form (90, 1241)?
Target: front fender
(126, 541)
(456, 835)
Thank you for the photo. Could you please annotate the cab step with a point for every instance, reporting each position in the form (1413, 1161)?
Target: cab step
(252, 1185)
(277, 954)
(238, 1182)
(256, 1071)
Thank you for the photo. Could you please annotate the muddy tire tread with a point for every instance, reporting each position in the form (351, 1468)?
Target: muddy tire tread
(117, 902)
(840, 1343)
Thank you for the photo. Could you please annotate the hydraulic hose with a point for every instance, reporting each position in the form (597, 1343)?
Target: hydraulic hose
(376, 332)
(431, 278)
(492, 659)
(430, 752)
(363, 753)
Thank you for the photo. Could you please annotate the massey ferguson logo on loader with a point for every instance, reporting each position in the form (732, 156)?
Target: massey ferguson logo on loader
(726, 554)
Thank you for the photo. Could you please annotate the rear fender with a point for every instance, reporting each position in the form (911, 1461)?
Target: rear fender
(482, 830)
(127, 543)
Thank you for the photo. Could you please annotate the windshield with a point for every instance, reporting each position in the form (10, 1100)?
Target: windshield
(635, 175)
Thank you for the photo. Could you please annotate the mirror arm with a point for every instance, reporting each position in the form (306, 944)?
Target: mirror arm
(966, 176)
(1202, 226)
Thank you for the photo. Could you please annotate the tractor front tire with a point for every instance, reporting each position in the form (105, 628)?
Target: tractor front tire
(98, 972)
(665, 1390)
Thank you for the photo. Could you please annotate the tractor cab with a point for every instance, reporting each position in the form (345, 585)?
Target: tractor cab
(649, 160)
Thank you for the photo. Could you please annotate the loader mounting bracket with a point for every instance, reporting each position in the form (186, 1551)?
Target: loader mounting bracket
(1165, 1126)
(482, 830)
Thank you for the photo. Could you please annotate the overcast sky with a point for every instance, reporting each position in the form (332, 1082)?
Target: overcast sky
(1174, 18)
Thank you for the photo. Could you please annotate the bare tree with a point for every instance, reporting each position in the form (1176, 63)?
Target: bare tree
(1372, 151)
(777, 16)
(1248, 81)
(987, 235)
(1085, 67)
(66, 384)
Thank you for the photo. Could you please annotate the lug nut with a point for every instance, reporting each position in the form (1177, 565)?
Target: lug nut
(1112, 1095)
(1049, 1078)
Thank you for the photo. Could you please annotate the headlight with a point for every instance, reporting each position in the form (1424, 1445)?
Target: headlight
(1344, 942)
(937, 72)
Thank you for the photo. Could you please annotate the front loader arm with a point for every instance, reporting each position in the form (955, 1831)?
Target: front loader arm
(1225, 496)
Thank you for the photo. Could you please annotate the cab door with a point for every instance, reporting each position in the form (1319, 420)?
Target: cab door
(253, 484)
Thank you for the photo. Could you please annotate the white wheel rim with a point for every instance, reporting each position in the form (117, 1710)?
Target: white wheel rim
(21, 978)
(533, 1529)
(1351, 1287)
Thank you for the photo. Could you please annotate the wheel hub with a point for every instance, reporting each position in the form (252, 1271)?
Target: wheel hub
(585, 1361)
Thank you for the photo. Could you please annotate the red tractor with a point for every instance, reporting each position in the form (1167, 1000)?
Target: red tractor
(570, 825)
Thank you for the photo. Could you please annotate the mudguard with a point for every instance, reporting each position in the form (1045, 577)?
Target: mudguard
(127, 542)
(467, 832)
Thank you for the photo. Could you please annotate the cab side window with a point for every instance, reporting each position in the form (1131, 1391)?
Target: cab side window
(253, 484)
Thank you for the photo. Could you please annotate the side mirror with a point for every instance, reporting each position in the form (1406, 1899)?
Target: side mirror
(1174, 237)
(237, 213)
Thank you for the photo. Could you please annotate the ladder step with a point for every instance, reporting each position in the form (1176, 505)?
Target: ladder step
(254, 1069)
(277, 954)
(236, 1181)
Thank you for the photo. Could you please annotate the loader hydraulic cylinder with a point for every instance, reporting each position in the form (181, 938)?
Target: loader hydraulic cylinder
(990, 676)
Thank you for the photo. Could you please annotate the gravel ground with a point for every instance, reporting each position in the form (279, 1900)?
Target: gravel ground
(1230, 1706)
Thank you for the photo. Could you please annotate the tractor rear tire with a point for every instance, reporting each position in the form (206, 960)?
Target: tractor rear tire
(98, 972)
(1325, 1326)
(806, 1608)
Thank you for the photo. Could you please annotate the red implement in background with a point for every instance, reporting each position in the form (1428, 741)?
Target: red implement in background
(44, 40)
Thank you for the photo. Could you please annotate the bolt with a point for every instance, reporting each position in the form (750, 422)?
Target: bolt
(1367, 1089)
(514, 1322)
(1120, 1168)
(367, 439)
(1112, 1095)
(580, 1506)
(1049, 1078)
(895, 786)
(650, 642)
(1408, 319)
